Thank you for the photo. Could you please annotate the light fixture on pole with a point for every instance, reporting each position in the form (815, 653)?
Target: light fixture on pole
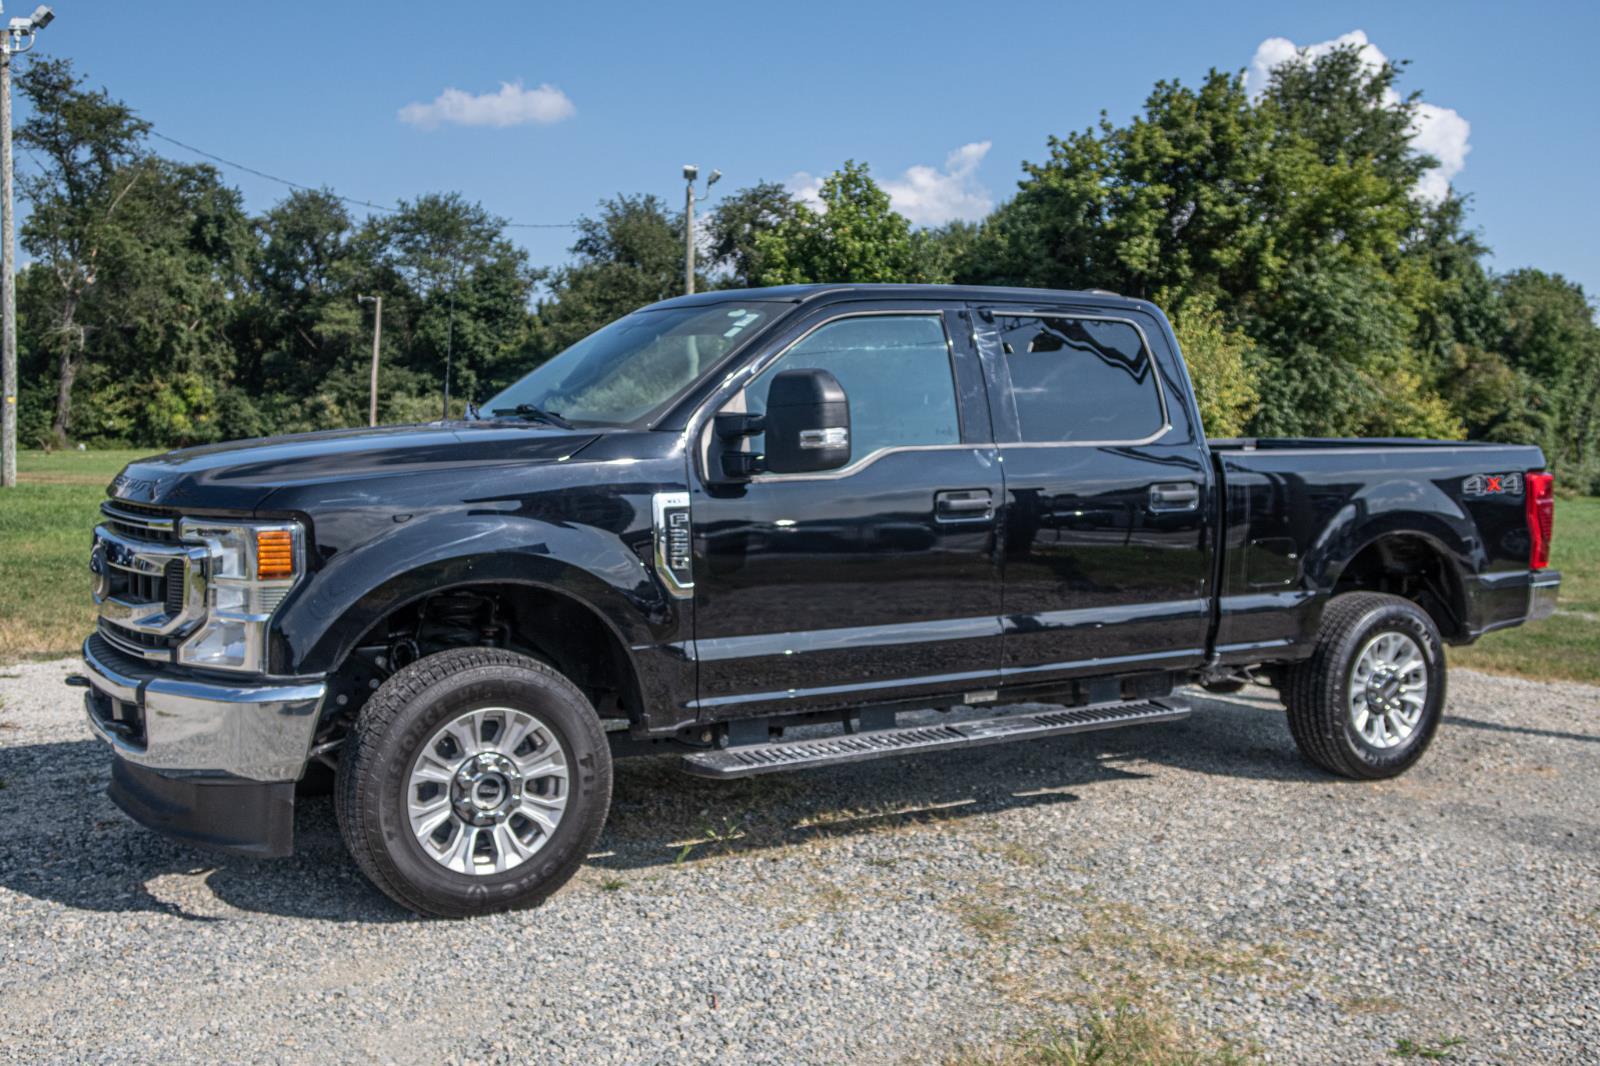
(690, 173)
(17, 37)
(377, 334)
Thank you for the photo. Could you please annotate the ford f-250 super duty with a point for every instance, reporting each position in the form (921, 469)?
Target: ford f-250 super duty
(735, 513)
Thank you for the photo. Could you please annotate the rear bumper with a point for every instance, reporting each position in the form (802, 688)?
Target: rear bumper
(1510, 598)
(1543, 590)
(208, 763)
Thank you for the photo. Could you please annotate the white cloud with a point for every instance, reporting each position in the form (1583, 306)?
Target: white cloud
(926, 195)
(930, 197)
(1439, 131)
(513, 105)
(1275, 50)
(807, 188)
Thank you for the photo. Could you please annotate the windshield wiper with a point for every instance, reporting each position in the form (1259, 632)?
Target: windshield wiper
(534, 413)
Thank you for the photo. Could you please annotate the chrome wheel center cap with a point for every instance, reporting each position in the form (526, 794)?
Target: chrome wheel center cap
(1383, 690)
(486, 789)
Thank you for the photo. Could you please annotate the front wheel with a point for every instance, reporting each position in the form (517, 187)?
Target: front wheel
(1368, 701)
(475, 780)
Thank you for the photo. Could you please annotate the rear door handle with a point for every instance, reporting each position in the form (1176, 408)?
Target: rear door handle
(963, 505)
(1175, 496)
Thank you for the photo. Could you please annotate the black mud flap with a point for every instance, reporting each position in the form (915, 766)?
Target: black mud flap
(241, 817)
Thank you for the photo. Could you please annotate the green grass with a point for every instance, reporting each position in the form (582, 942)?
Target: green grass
(44, 550)
(44, 580)
(1566, 645)
(1122, 1036)
(1433, 1050)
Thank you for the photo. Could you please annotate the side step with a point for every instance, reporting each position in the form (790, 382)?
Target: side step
(749, 759)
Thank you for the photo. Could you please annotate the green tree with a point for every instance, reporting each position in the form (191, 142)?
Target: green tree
(857, 238)
(1553, 346)
(1290, 221)
(461, 289)
(88, 154)
(1220, 364)
(628, 256)
(1170, 202)
(734, 228)
(300, 323)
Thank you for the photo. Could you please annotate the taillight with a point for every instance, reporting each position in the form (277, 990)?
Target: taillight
(1540, 496)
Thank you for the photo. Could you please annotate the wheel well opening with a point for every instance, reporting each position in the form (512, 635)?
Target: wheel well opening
(536, 622)
(1412, 568)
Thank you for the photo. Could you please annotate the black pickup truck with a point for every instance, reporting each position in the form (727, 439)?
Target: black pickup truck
(731, 515)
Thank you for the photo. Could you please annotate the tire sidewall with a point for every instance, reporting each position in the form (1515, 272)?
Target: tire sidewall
(571, 721)
(1407, 619)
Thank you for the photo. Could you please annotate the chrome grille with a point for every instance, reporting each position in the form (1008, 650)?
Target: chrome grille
(150, 588)
(172, 590)
(140, 523)
(133, 642)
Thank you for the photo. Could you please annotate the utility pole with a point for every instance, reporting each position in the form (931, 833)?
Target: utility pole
(18, 38)
(690, 173)
(377, 334)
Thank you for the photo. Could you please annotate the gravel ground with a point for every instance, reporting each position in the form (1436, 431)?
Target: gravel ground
(885, 912)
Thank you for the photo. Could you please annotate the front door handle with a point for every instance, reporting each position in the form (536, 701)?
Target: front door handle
(963, 505)
(1175, 496)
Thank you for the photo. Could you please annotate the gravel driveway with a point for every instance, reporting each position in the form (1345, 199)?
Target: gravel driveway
(885, 912)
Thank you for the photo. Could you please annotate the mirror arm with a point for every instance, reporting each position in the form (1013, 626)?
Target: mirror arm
(743, 464)
(734, 425)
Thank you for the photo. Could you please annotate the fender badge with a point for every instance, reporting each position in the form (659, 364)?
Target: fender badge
(1492, 485)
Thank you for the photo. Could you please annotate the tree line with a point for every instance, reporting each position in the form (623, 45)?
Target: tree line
(1313, 291)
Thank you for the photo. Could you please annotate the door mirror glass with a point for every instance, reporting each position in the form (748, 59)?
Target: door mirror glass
(807, 423)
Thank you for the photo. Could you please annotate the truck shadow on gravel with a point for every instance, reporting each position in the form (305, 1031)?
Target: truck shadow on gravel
(62, 840)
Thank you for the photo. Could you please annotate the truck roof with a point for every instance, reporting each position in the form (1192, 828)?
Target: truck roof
(827, 293)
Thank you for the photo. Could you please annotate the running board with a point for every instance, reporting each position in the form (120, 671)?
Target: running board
(750, 759)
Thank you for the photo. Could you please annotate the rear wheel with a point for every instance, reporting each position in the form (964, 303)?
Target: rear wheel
(475, 780)
(1368, 701)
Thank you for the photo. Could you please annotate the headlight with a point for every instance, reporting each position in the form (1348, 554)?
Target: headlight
(252, 568)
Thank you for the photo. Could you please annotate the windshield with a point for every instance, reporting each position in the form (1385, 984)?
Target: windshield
(624, 371)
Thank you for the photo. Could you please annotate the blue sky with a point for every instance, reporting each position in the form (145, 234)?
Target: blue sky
(316, 94)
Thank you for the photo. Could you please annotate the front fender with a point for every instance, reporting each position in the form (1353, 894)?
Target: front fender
(423, 555)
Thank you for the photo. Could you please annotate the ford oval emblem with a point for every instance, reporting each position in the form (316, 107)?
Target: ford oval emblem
(97, 567)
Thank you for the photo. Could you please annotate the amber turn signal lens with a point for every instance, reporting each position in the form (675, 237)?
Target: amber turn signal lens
(274, 554)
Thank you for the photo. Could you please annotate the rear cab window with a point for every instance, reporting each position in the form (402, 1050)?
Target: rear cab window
(1080, 379)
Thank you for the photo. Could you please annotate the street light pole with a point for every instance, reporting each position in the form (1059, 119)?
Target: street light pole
(690, 173)
(18, 37)
(377, 334)
(8, 280)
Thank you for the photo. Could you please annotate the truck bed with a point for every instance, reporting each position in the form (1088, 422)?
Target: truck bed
(1298, 514)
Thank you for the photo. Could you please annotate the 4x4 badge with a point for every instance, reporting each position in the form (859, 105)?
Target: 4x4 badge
(1492, 485)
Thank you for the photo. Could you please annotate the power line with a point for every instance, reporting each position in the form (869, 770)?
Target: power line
(346, 199)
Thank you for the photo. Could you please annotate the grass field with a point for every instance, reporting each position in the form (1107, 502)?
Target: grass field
(44, 550)
(44, 581)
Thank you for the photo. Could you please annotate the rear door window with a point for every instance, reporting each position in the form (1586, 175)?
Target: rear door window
(1080, 379)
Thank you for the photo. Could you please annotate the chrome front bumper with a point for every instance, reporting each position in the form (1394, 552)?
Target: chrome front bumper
(178, 727)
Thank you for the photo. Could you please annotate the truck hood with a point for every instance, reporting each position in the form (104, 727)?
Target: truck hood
(240, 475)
